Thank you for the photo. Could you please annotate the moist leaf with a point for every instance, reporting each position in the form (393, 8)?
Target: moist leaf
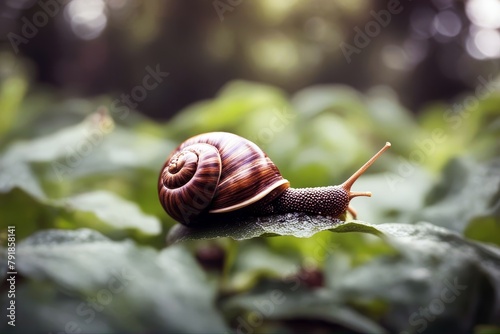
(296, 224)
(132, 288)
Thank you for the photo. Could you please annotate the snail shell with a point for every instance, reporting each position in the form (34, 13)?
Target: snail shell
(216, 172)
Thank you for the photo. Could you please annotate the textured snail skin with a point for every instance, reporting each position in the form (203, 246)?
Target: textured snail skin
(219, 175)
(330, 201)
(327, 201)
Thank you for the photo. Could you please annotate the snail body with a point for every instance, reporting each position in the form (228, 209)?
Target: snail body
(220, 174)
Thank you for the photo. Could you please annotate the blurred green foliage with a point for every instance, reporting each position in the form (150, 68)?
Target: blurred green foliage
(79, 184)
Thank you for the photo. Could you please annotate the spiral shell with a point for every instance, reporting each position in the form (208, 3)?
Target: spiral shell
(216, 172)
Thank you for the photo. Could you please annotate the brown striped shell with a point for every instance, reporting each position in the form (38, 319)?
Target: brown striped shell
(216, 172)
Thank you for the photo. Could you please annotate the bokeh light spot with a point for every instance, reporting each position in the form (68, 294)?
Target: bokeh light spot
(484, 13)
(87, 18)
(447, 23)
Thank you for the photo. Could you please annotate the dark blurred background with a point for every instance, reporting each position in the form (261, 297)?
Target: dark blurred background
(427, 50)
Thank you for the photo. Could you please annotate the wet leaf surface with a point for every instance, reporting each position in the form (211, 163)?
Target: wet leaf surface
(100, 284)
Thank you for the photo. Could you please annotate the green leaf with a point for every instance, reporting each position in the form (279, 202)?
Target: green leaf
(19, 175)
(394, 198)
(485, 229)
(235, 102)
(33, 214)
(100, 209)
(287, 301)
(120, 150)
(343, 99)
(75, 141)
(467, 190)
(254, 261)
(113, 286)
(390, 120)
(404, 290)
(13, 87)
(297, 224)
(15, 163)
(438, 280)
(90, 147)
(113, 210)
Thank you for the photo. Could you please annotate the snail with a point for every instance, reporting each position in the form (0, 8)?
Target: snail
(218, 174)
